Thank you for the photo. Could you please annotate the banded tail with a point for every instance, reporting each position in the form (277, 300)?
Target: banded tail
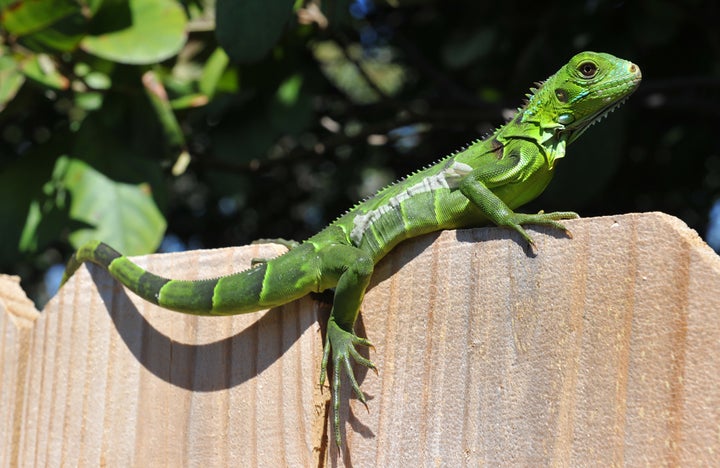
(247, 291)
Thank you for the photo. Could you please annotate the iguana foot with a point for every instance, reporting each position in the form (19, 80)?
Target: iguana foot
(516, 221)
(342, 345)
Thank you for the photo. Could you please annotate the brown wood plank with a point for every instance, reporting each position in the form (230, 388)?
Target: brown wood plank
(602, 349)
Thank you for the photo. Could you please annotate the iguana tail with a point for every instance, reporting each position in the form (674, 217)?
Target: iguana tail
(248, 291)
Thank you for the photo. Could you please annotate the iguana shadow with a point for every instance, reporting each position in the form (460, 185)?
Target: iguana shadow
(208, 367)
(411, 248)
(231, 361)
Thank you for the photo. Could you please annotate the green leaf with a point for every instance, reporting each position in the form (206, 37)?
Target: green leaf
(47, 218)
(63, 36)
(123, 215)
(157, 95)
(248, 29)
(25, 17)
(189, 101)
(28, 211)
(41, 68)
(387, 75)
(213, 71)
(291, 110)
(124, 140)
(47, 25)
(137, 31)
(289, 90)
(10, 80)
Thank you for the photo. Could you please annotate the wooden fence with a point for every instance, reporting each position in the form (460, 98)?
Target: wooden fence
(600, 350)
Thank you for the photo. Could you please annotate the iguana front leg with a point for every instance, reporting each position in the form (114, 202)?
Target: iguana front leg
(351, 268)
(499, 213)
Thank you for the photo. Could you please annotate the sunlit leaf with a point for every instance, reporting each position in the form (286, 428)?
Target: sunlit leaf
(189, 101)
(386, 75)
(10, 80)
(138, 31)
(289, 90)
(165, 115)
(42, 69)
(123, 215)
(25, 17)
(291, 110)
(212, 72)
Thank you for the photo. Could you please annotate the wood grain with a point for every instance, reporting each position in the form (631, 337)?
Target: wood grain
(600, 350)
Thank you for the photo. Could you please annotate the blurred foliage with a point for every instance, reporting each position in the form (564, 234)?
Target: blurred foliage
(216, 123)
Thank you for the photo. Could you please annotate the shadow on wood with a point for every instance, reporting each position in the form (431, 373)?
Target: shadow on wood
(604, 347)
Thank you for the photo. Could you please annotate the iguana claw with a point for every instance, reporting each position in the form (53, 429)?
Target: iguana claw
(541, 218)
(342, 345)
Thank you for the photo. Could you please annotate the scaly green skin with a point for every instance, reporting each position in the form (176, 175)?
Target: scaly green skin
(482, 183)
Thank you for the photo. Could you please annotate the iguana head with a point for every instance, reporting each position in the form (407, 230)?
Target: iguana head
(581, 93)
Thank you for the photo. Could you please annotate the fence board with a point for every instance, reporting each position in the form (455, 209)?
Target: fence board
(602, 349)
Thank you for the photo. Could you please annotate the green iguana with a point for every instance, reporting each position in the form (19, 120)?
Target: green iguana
(483, 182)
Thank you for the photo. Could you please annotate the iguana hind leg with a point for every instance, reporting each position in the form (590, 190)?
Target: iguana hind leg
(352, 268)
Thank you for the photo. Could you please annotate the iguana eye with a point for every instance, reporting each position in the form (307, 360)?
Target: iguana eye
(588, 69)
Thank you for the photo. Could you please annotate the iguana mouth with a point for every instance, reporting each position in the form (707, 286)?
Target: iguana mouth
(575, 132)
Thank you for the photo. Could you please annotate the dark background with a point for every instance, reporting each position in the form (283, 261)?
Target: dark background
(320, 106)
